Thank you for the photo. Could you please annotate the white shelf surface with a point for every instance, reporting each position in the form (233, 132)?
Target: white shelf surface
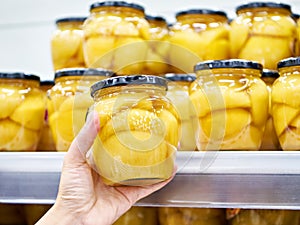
(235, 179)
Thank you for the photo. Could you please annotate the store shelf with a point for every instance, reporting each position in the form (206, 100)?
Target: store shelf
(203, 179)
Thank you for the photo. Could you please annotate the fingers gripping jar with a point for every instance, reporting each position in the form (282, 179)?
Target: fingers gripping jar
(66, 43)
(270, 140)
(231, 103)
(22, 111)
(70, 100)
(197, 35)
(178, 93)
(115, 36)
(263, 32)
(139, 130)
(286, 104)
(157, 54)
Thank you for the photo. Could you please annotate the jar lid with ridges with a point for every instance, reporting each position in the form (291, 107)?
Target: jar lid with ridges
(230, 63)
(83, 72)
(264, 5)
(292, 61)
(19, 75)
(270, 73)
(180, 77)
(70, 19)
(117, 4)
(155, 18)
(129, 80)
(295, 16)
(201, 11)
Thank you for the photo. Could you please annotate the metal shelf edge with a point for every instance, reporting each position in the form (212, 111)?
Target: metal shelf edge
(204, 179)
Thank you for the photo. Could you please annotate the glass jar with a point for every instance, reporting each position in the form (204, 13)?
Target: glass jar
(11, 214)
(139, 216)
(139, 130)
(270, 140)
(198, 35)
(263, 32)
(66, 43)
(115, 37)
(262, 216)
(46, 142)
(296, 17)
(22, 111)
(70, 99)
(231, 103)
(178, 93)
(157, 55)
(191, 216)
(33, 212)
(286, 104)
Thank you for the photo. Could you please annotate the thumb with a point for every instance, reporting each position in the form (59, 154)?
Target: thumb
(84, 140)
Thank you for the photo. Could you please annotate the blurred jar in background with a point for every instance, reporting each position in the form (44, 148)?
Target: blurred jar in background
(156, 59)
(263, 32)
(286, 104)
(70, 100)
(11, 214)
(296, 17)
(115, 37)
(33, 213)
(178, 93)
(46, 142)
(270, 140)
(262, 216)
(22, 111)
(191, 216)
(66, 43)
(197, 35)
(231, 103)
(139, 216)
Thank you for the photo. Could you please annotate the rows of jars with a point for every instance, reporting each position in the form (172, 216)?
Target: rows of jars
(218, 98)
(225, 105)
(119, 36)
(29, 214)
(196, 31)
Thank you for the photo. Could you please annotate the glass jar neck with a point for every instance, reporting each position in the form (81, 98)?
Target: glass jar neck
(70, 25)
(229, 71)
(21, 82)
(119, 11)
(268, 80)
(79, 78)
(201, 18)
(264, 11)
(160, 24)
(292, 70)
(178, 86)
(130, 89)
(79, 84)
(45, 88)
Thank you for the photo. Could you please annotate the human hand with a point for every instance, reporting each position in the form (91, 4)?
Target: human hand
(82, 197)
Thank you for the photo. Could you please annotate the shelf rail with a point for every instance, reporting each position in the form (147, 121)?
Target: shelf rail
(215, 179)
